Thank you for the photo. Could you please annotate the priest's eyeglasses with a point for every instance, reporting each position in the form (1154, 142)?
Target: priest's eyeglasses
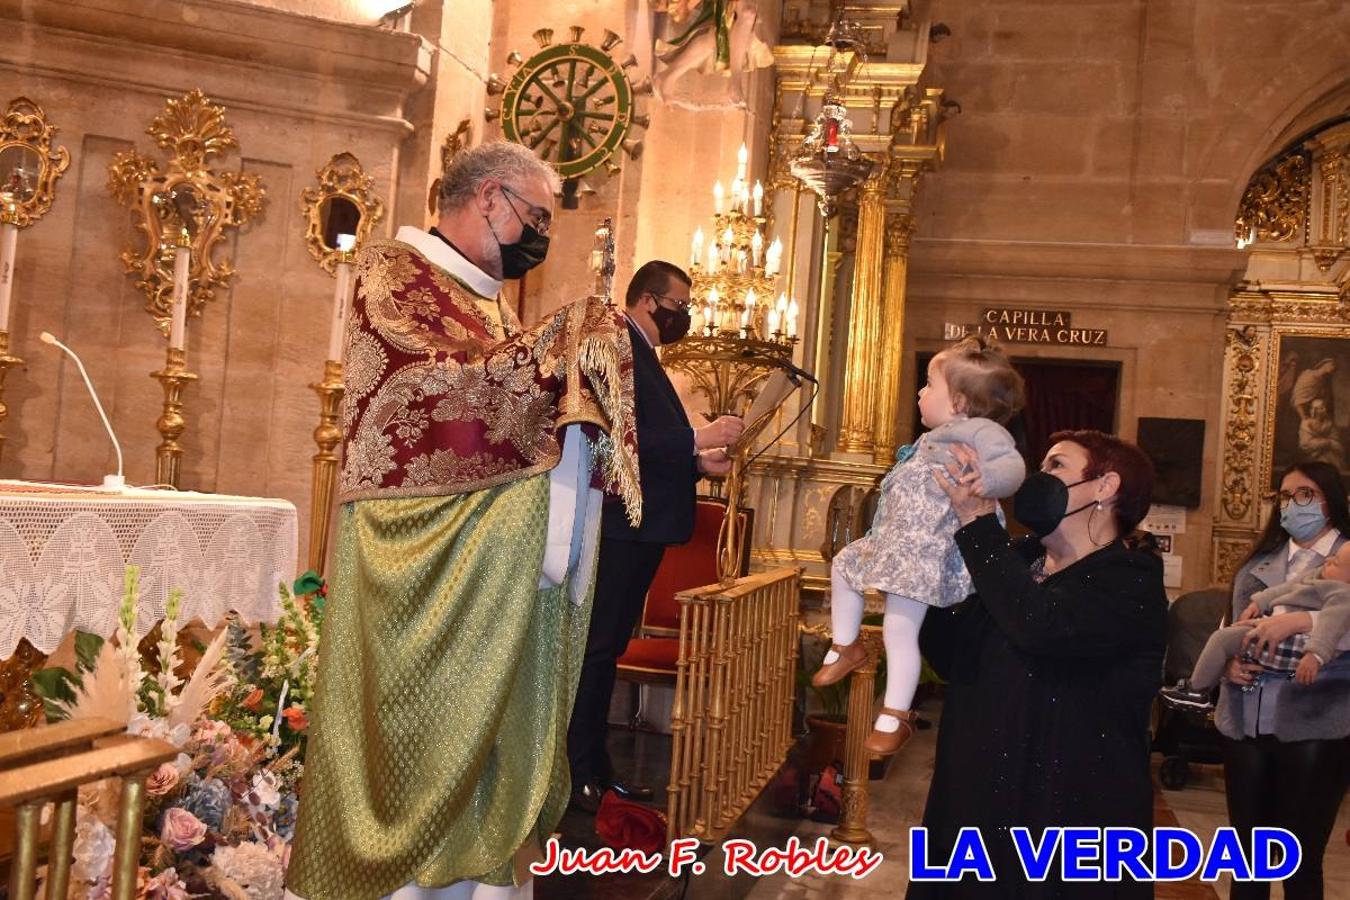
(540, 219)
(1300, 496)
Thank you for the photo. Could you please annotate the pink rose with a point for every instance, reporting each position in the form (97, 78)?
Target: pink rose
(181, 830)
(162, 780)
(164, 886)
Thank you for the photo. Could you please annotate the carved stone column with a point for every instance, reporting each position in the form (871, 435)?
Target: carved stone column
(891, 342)
(864, 320)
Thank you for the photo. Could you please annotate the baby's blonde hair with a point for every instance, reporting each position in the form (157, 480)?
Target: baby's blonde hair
(979, 374)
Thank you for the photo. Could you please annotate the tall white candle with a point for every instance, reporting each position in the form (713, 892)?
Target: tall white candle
(338, 333)
(717, 198)
(759, 199)
(182, 263)
(757, 247)
(792, 318)
(698, 247)
(9, 236)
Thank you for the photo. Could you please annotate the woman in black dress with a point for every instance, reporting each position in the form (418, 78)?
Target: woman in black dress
(1052, 666)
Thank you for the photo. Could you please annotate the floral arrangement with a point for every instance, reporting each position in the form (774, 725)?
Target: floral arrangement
(219, 819)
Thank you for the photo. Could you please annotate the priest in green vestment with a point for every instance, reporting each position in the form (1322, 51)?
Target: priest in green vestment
(475, 455)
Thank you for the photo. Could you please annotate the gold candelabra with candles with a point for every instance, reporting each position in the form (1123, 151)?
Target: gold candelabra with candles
(733, 289)
(739, 333)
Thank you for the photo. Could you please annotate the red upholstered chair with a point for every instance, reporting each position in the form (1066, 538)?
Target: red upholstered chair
(651, 655)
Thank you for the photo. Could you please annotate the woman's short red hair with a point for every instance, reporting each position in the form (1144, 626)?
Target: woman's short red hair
(1108, 453)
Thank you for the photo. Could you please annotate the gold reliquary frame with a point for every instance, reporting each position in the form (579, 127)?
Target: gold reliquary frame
(344, 203)
(29, 164)
(184, 202)
(1276, 349)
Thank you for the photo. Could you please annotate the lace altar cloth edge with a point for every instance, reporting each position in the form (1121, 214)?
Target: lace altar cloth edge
(63, 550)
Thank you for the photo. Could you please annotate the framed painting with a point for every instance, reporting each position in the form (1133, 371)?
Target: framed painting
(1308, 403)
(1286, 399)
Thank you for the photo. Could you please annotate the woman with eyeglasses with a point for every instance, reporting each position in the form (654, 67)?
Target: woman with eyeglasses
(1287, 745)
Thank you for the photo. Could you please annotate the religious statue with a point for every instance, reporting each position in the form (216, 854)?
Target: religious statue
(706, 62)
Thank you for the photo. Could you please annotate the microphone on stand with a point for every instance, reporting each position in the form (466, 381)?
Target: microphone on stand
(110, 482)
(792, 370)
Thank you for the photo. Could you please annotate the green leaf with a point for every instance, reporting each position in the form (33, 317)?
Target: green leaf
(54, 685)
(308, 583)
(87, 648)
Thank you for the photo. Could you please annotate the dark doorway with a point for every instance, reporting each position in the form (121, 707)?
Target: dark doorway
(1062, 394)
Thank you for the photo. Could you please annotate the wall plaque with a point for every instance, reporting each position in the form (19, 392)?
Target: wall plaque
(1027, 326)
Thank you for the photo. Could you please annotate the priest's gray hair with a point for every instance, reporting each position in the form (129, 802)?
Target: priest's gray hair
(500, 161)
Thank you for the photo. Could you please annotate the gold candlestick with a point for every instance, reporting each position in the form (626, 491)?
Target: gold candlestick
(5, 362)
(174, 377)
(327, 435)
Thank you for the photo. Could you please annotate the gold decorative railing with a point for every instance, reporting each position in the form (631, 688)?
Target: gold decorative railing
(47, 765)
(731, 724)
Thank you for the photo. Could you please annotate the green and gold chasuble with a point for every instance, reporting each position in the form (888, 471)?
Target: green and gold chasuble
(446, 673)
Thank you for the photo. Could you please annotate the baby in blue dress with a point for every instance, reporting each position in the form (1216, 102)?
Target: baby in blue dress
(909, 554)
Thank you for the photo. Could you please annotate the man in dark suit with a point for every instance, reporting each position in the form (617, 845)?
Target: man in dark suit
(673, 456)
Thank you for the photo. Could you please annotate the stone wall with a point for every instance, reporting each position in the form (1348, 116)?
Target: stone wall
(297, 89)
(1096, 166)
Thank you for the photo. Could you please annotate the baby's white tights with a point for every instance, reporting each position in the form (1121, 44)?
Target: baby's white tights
(899, 631)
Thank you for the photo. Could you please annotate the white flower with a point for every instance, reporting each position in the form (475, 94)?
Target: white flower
(253, 867)
(94, 845)
(141, 724)
(265, 793)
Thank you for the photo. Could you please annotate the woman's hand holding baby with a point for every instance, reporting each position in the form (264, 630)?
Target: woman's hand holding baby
(963, 483)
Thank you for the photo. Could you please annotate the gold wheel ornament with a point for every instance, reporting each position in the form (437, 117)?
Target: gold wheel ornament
(574, 105)
(187, 199)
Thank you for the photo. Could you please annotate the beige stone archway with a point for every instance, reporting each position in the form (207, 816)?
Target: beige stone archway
(1288, 315)
(1279, 75)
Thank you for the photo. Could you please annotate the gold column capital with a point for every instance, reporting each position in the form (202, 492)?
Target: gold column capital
(899, 229)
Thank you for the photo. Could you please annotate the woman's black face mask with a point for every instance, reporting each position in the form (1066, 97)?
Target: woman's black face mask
(1042, 502)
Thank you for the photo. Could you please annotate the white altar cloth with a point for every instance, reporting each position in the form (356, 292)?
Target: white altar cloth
(64, 549)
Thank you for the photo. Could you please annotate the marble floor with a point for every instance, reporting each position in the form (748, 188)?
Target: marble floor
(897, 804)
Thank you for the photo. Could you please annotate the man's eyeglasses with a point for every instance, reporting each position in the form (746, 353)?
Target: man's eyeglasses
(679, 304)
(540, 218)
(1300, 496)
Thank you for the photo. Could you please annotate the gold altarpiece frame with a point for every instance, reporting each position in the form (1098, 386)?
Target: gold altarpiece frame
(1286, 319)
